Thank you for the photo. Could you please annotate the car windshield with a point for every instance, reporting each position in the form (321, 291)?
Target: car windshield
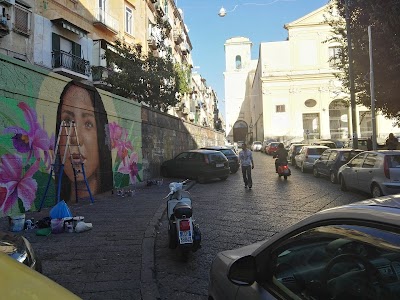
(227, 151)
(315, 151)
(257, 143)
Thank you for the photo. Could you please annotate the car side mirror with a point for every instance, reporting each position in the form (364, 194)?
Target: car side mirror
(243, 271)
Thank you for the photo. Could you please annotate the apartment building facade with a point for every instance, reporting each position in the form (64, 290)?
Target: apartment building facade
(70, 37)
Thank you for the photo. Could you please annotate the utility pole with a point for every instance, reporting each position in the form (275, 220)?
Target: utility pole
(351, 78)
(371, 85)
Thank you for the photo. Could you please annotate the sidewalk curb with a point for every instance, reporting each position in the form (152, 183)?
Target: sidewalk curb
(148, 282)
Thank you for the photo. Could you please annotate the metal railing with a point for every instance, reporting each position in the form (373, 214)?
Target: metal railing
(62, 59)
(103, 17)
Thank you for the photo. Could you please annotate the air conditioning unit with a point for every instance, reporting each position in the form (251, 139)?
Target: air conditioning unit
(7, 2)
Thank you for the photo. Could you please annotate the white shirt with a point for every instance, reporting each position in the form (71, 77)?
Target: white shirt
(245, 156)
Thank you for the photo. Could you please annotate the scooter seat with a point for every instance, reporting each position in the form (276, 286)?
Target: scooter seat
(182, 209)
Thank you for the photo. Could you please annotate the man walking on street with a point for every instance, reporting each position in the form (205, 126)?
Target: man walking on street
(246, 160)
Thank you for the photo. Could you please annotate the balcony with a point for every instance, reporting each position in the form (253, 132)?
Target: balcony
(167, 22)
(7, 2)
(152, 42)
(105, 21)
(178, 36)
(70, 65)
(4, 29)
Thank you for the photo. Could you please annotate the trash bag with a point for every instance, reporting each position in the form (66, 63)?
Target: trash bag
(60, 210)
(82, 226)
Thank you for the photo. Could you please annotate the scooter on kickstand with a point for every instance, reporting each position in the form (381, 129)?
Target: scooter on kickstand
(183, 233)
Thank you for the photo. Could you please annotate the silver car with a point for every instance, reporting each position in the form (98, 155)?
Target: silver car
(347, 252)
(374, 172)
(307, 156)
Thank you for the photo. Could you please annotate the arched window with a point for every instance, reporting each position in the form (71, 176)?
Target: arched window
(238, 62)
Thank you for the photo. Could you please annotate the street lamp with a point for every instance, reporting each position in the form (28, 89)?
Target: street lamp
(351, 78)
(222, 12)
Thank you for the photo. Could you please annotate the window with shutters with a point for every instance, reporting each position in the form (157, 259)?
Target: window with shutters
(22, 18)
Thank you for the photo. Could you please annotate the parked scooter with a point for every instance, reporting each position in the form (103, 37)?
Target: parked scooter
(183, 233)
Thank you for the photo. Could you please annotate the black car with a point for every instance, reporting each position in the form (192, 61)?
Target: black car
(200, 165)
(230, 154)
(19, 249)
(331, 160)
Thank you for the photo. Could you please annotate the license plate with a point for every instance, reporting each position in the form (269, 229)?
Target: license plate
(185, 237)
(219, 165)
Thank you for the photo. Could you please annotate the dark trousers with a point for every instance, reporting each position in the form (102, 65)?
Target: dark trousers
(246, 172)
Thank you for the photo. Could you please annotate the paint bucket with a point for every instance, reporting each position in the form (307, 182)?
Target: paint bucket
(17, 223)
(77, 219)
(57, 225)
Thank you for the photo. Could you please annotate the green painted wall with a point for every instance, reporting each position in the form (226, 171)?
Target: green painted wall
(31, 109)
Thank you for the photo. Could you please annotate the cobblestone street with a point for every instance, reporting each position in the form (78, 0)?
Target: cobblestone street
(231, 216)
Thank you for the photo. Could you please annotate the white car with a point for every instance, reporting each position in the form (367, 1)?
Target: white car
(307, 156)
(256, 146)
(374, 172)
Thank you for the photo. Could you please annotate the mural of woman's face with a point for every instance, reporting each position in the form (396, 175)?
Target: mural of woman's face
(77, 106)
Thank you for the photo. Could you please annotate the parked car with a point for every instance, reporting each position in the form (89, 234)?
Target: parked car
(307, 156)
(294, 149)
(347, 252)
(271, 148)
(20, 249)
(329, 144)
(21, 282)
(374, 172)
(230, 154)
(200, 165)
(256, 146)
(362, 144)
(331, 160)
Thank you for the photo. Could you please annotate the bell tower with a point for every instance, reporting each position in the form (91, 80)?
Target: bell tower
(237, 67)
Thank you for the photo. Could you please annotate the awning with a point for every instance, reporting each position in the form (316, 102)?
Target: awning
(71, 27)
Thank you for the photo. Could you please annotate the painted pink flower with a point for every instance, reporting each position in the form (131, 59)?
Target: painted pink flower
(124, 145)
(31, 141)
(129, 166)
(115, 133)
(14, 184)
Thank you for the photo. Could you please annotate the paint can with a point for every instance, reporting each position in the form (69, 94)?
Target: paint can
(17, 223)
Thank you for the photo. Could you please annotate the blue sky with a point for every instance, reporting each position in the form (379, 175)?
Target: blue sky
(259, 20)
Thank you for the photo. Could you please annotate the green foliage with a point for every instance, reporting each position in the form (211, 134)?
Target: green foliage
(383, 16)
(150, 79)
(183, 78)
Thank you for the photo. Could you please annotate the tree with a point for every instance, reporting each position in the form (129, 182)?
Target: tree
(152, 79)
(383, 16)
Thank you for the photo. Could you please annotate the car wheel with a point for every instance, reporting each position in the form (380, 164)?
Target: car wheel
(376, 191)
(223, 178)
(303, 170)
(332, 177)
(233, 171)
(343, 186)
(164, 172)
(315, 172)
